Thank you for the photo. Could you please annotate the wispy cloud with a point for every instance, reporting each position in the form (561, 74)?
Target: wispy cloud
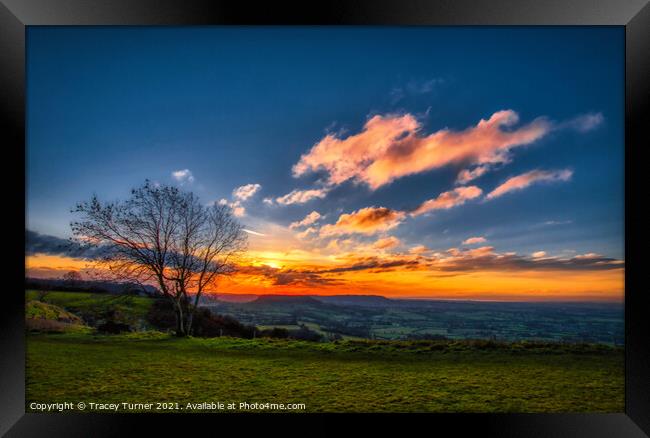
(183, 176)
(301, 196)
(524, 180)
(554, 222)
(307, 233)
(414, 87)
(467, 175)
(237, 208)
(419, 249)
(307, 220)
(584, 122)
(474, 240)
(392, 146)
(453, 261)
(449, 199)
(246, 191)
(485, 258)
(240, 195)
(369, 220)
(386, 243)
(581, 123)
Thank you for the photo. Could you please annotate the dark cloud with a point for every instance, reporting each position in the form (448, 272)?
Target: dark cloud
(37, 243)
(375, 265)
(303, 278)
(285, 277)
(513, 262)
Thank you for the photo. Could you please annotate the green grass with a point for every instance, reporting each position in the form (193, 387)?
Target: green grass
(310, 325)
(347, 376)
(48, 318)
(39, 310)
(131, 309)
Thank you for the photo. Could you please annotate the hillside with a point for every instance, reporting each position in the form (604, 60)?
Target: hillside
(49, 318)
(355, 300)
(287, 300)
(92, 307)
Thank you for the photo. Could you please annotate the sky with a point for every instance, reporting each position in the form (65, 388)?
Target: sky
(417, 162)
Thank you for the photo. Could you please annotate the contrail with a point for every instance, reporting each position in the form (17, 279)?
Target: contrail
(255, 233)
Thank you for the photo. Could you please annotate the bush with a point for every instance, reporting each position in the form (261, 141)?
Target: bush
(206, 324)
(275, 332)
(161, 315)
(425, 337)
(209, 325)
(113, 328)
(305, 334)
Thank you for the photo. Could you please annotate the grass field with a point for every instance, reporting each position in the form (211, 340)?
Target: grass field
(88, 305)
(346, 376)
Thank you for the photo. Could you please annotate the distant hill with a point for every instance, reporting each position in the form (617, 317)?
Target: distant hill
(208, 299)
(355, 300)
(109, 287)
(339, 300)
(287, 300)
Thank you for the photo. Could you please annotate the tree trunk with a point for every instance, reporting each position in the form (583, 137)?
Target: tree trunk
(180, 323)
(191, 311)
(190, 319)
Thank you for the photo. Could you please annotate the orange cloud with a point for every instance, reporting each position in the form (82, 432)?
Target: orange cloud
(524, 180)
(301, 196)
(446, 200)
(467, 175)
(386, 243)
(369, 220)
(474, 240)
(419, 249)
(478, 273)
(308, 232)
(392, 146)
(308, 220)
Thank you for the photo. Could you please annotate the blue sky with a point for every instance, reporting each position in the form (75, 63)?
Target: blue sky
(108, 107)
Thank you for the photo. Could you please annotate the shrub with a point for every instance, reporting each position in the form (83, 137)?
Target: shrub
(206, 324)
(161, 315)
(305, 334)
(209, 325)
(275, 332)
(112, 327)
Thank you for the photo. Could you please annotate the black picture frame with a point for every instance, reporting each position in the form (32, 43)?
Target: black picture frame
(634, 15)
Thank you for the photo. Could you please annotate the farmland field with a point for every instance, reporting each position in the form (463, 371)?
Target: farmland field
(391, 319)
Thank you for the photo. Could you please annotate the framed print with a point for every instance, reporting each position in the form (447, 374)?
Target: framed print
(370, 211)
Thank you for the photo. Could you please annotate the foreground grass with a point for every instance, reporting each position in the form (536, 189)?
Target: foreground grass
(347, 376)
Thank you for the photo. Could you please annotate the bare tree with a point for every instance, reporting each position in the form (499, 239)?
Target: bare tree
(71, 278)
(166, 237)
